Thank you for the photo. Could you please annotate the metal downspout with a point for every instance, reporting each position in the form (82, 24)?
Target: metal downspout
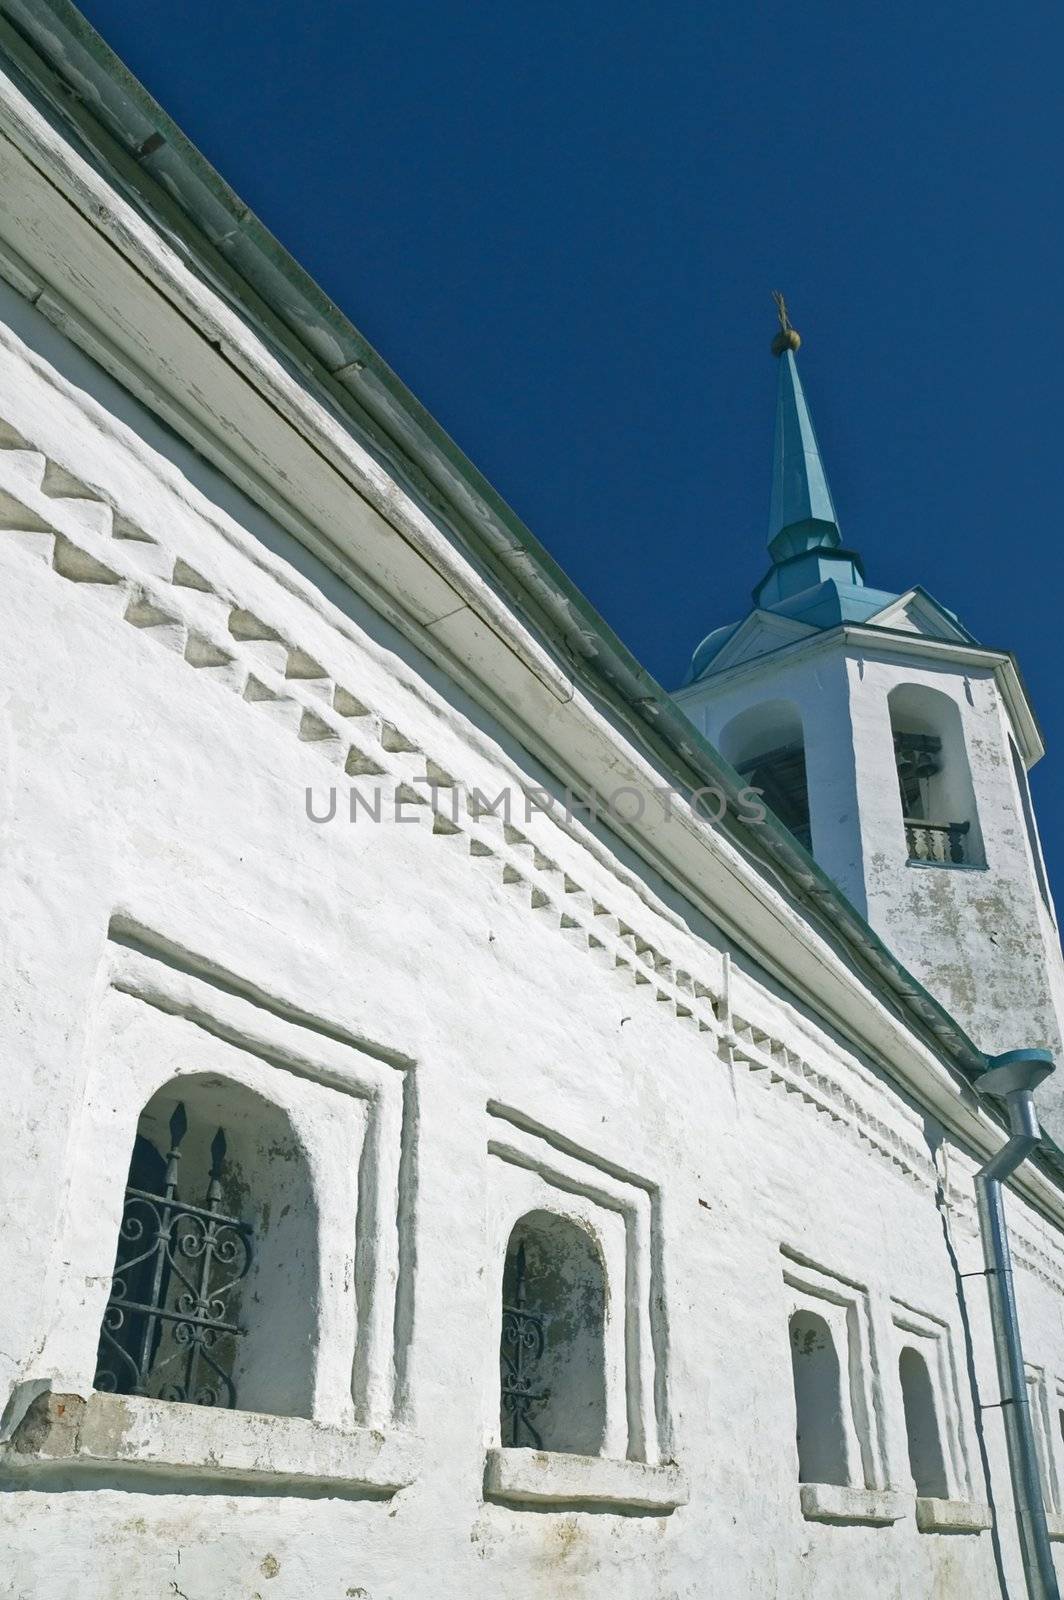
(1012, 1078)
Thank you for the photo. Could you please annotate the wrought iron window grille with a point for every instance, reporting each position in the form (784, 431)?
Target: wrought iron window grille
(524, 1339)
(168, 1330)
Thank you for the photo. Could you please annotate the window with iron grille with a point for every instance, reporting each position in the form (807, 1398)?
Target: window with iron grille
(171, 1326)
(523, 1345)
(552, 1351)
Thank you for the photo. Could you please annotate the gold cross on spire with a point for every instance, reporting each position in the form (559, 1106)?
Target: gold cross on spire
(788, 338)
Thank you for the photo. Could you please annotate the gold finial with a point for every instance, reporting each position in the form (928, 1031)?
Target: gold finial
(788, 338)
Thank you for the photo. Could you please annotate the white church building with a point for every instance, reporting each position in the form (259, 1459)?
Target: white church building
(476, 1124)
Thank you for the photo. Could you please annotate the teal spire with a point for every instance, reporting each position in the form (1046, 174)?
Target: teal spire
(803, 530)
(802, 516)
(813, 581)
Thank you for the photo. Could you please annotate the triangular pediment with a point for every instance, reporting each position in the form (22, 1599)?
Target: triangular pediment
(761, 633)
(918, 612)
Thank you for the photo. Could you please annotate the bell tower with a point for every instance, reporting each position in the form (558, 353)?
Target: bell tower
(895, 747)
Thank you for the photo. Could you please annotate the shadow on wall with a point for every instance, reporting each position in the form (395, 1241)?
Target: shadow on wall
(933, 1138)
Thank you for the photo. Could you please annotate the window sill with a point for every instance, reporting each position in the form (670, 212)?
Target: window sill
(130, 1434)
(952, 1516)
(946, 866)
(836, 1502)
(1055, 1524)
(551, 1478)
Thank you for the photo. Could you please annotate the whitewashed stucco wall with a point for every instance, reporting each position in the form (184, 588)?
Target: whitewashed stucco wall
(168, 906)
(995, 958)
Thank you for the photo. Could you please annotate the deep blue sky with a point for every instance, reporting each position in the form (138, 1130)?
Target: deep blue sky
(560, 224)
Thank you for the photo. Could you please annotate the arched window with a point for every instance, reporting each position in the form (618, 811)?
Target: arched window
(926, 1461)
(821, 1432)
(552, 1356)
(766, 746)
(937, 798)
(215, 1281)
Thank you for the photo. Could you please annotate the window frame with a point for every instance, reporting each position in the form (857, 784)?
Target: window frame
(960, 1511)
(151, 1015)
(867, 1498)
(530, 1168)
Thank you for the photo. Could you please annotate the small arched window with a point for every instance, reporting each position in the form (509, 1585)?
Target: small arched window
(926, 1461)
(215, 1278)
(821, 1433)
(934, 777)
(552, 1355)
(766, 746)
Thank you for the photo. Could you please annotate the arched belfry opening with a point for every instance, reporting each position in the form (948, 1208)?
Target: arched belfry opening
(214, 1293)
(766, 746)
(552, 1353)
(935, 779)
